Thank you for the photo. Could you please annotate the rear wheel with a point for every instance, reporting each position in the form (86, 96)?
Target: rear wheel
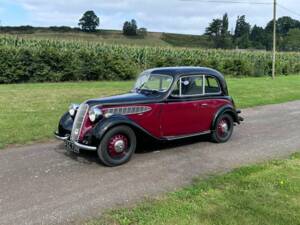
(223, 129)
(117, 146)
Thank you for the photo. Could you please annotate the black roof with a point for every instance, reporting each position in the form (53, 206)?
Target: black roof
(186, 70)
(190, 70)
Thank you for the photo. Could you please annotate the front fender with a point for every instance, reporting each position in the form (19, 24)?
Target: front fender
(65, 125)
(107, 123)
(225, 109)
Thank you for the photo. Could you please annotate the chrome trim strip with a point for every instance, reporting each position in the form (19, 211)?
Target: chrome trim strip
(169, 138)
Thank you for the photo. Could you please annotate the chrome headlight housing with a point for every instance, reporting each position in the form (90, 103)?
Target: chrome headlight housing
(95, 114)
(73, 109)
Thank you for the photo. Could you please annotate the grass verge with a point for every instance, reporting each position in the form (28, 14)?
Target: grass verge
(30, 112)
(261, 194)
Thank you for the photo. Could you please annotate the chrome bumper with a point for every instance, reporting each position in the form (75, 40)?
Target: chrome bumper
(80, 146)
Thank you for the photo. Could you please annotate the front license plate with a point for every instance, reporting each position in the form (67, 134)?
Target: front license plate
(71, 147)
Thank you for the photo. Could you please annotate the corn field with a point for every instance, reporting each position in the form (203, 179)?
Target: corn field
(48, 60)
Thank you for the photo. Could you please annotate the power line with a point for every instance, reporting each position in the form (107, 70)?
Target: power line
(229, 2)
(287, 9)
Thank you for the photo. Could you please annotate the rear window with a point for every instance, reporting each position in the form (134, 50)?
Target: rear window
(212, 85)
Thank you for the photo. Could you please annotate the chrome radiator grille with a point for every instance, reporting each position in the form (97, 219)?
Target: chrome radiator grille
(78, 122)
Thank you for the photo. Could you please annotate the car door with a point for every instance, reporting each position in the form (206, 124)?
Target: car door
(186, 111)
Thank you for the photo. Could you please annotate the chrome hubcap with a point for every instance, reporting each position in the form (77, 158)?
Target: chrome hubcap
(224, 127)
(119, 146)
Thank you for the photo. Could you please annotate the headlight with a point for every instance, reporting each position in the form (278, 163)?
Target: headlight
(94, 114)
(73, 109)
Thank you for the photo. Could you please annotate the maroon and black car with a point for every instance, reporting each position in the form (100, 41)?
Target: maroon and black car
(165, 104)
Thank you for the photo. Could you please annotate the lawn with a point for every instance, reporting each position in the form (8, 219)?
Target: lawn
(30, 112)
(261, 194)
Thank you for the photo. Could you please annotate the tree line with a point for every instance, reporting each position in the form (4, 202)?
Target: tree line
(246, 36)
(90, 21)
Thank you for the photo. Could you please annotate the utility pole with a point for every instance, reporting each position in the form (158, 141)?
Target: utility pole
(274, 41)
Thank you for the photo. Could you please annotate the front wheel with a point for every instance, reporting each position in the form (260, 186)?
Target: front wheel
(117, 146)
(223, 129)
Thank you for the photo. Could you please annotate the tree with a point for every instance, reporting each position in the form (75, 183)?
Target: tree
(130, 28)
(292, 40)
(225, 25)
(242, 32)
(142, 32)
(89, 21)
(214, 31)
(258, 37)
(218, 32)
(283, 25)
(226, 40)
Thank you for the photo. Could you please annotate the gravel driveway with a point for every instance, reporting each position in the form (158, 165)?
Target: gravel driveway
(43, 184)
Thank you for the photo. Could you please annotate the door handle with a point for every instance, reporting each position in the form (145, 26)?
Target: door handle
(204, 105)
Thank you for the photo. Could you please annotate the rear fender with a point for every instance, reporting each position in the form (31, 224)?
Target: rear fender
(225, 109)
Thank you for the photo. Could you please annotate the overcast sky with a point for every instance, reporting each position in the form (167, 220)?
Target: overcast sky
(176, 16)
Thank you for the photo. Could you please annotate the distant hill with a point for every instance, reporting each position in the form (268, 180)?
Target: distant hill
(109, 36)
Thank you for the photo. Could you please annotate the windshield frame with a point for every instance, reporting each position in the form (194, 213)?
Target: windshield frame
(148, 75)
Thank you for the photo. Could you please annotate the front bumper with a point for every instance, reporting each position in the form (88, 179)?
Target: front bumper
(78, 145)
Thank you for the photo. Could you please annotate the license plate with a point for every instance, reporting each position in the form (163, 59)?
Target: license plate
(71, 147)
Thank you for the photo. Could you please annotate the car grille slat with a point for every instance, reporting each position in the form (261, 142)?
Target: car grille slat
(128, 110)
(78, 122)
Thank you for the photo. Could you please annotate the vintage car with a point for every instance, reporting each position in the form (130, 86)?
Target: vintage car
(165, 104)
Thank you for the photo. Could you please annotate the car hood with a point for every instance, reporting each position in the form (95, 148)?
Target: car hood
(124, 99)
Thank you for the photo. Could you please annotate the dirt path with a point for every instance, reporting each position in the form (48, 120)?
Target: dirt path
(42, 184)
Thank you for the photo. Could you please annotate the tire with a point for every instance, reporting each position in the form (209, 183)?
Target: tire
(223, 129)
(117, 146)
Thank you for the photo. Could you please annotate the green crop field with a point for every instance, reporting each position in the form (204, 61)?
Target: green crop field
(30, 60)
(116, 37)
(30, 112)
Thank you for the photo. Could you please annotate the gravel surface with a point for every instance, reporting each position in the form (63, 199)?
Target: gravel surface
(43, 184)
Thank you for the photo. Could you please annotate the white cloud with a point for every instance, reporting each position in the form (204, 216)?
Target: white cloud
(158, 15)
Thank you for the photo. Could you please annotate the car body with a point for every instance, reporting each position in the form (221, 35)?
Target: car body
(165, 104)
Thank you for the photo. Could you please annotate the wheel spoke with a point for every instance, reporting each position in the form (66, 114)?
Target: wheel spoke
(118, 146)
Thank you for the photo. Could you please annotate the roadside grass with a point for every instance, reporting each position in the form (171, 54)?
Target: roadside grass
(30, 112)
(267, 193)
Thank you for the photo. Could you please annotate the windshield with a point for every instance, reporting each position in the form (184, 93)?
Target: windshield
(153, 82)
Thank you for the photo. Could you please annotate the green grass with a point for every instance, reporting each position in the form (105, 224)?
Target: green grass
(266, 194)
(30, 112)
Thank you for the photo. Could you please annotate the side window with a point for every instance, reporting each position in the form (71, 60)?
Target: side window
(212, 85)
(191, 85)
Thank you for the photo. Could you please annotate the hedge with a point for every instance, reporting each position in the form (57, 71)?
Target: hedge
(53, 61)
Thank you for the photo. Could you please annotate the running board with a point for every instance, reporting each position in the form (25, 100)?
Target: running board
(170, 138)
